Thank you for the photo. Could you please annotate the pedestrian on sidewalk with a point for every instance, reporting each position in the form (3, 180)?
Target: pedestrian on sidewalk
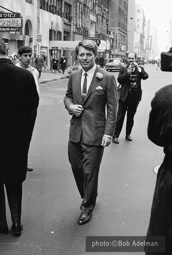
(91, 128)
(55, 64)
(63, 62)
(39, 63)
(25, 56)
(19, 101)
(129, 78)
(160, 133)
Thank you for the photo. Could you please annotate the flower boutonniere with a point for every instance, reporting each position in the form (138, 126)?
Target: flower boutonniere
(99, 76)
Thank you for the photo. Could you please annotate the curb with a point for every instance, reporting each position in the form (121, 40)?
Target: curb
(56, 79)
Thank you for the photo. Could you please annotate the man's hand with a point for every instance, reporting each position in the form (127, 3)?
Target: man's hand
(106, 140)
(138, 67)
(76, 109)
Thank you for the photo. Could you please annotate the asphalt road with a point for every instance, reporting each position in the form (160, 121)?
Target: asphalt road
(51, 200)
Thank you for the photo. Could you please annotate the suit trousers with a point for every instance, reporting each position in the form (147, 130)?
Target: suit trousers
(14, 195)
(85, 162)
(130, 106)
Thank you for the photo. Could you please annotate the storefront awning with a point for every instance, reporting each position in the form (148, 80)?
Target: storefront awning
(63, 45)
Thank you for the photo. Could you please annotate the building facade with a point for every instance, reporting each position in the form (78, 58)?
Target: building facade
(118, 18)
(54, 27)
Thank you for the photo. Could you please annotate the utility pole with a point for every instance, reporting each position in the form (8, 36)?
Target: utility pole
(38, 25)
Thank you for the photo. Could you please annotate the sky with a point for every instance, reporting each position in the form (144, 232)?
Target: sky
(159, 12)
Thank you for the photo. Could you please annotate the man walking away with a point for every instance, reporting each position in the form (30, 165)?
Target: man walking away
(18, 107)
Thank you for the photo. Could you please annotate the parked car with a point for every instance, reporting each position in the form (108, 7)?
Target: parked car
(74, 67)
(113, 64)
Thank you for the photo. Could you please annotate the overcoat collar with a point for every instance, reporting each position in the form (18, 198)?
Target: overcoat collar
(6, 60)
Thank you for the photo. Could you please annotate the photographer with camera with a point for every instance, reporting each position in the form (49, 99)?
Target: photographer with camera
(129, 78)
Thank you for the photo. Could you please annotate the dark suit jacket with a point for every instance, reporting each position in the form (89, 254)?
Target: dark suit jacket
(123, 79)
(18, 104)
(94, 122)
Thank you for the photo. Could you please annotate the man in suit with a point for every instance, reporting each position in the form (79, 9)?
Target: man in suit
(18, 107)
(90, 90)
(129, 78)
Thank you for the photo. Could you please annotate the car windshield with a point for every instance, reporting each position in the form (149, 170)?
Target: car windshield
(116, 61)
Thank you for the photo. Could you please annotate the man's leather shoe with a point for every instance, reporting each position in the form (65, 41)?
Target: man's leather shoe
(128, 138)
(4, 231)
(17, 229)
(84, 218)
(115, 140)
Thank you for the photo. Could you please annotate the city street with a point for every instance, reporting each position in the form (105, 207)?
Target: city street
(50, 198)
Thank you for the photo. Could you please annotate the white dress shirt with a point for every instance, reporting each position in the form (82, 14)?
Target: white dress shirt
(90, 75)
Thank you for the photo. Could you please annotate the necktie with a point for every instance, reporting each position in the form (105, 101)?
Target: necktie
(84, 89)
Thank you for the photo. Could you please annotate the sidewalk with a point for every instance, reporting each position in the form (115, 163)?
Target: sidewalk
(47, 77)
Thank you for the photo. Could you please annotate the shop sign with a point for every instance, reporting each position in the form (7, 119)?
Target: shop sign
(10, 20)
(9, 29)
(123, 47)
(97, 40)
(9, 15)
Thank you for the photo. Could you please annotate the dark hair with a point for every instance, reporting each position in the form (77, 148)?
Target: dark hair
(87, 44)
(3, 47)
(24, 49)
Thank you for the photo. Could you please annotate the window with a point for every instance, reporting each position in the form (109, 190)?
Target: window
(67, 11)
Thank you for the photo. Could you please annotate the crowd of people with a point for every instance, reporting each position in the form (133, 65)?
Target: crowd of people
(97, 114)
(39, 62)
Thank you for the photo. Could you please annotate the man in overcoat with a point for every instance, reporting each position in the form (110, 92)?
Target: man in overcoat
(129, 78)
(91, 91)
(160, 133)
(18, 106)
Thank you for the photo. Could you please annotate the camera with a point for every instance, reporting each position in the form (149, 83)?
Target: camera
(166, 61)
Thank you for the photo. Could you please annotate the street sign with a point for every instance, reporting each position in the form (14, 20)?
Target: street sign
(39, 38)
(96, 40)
